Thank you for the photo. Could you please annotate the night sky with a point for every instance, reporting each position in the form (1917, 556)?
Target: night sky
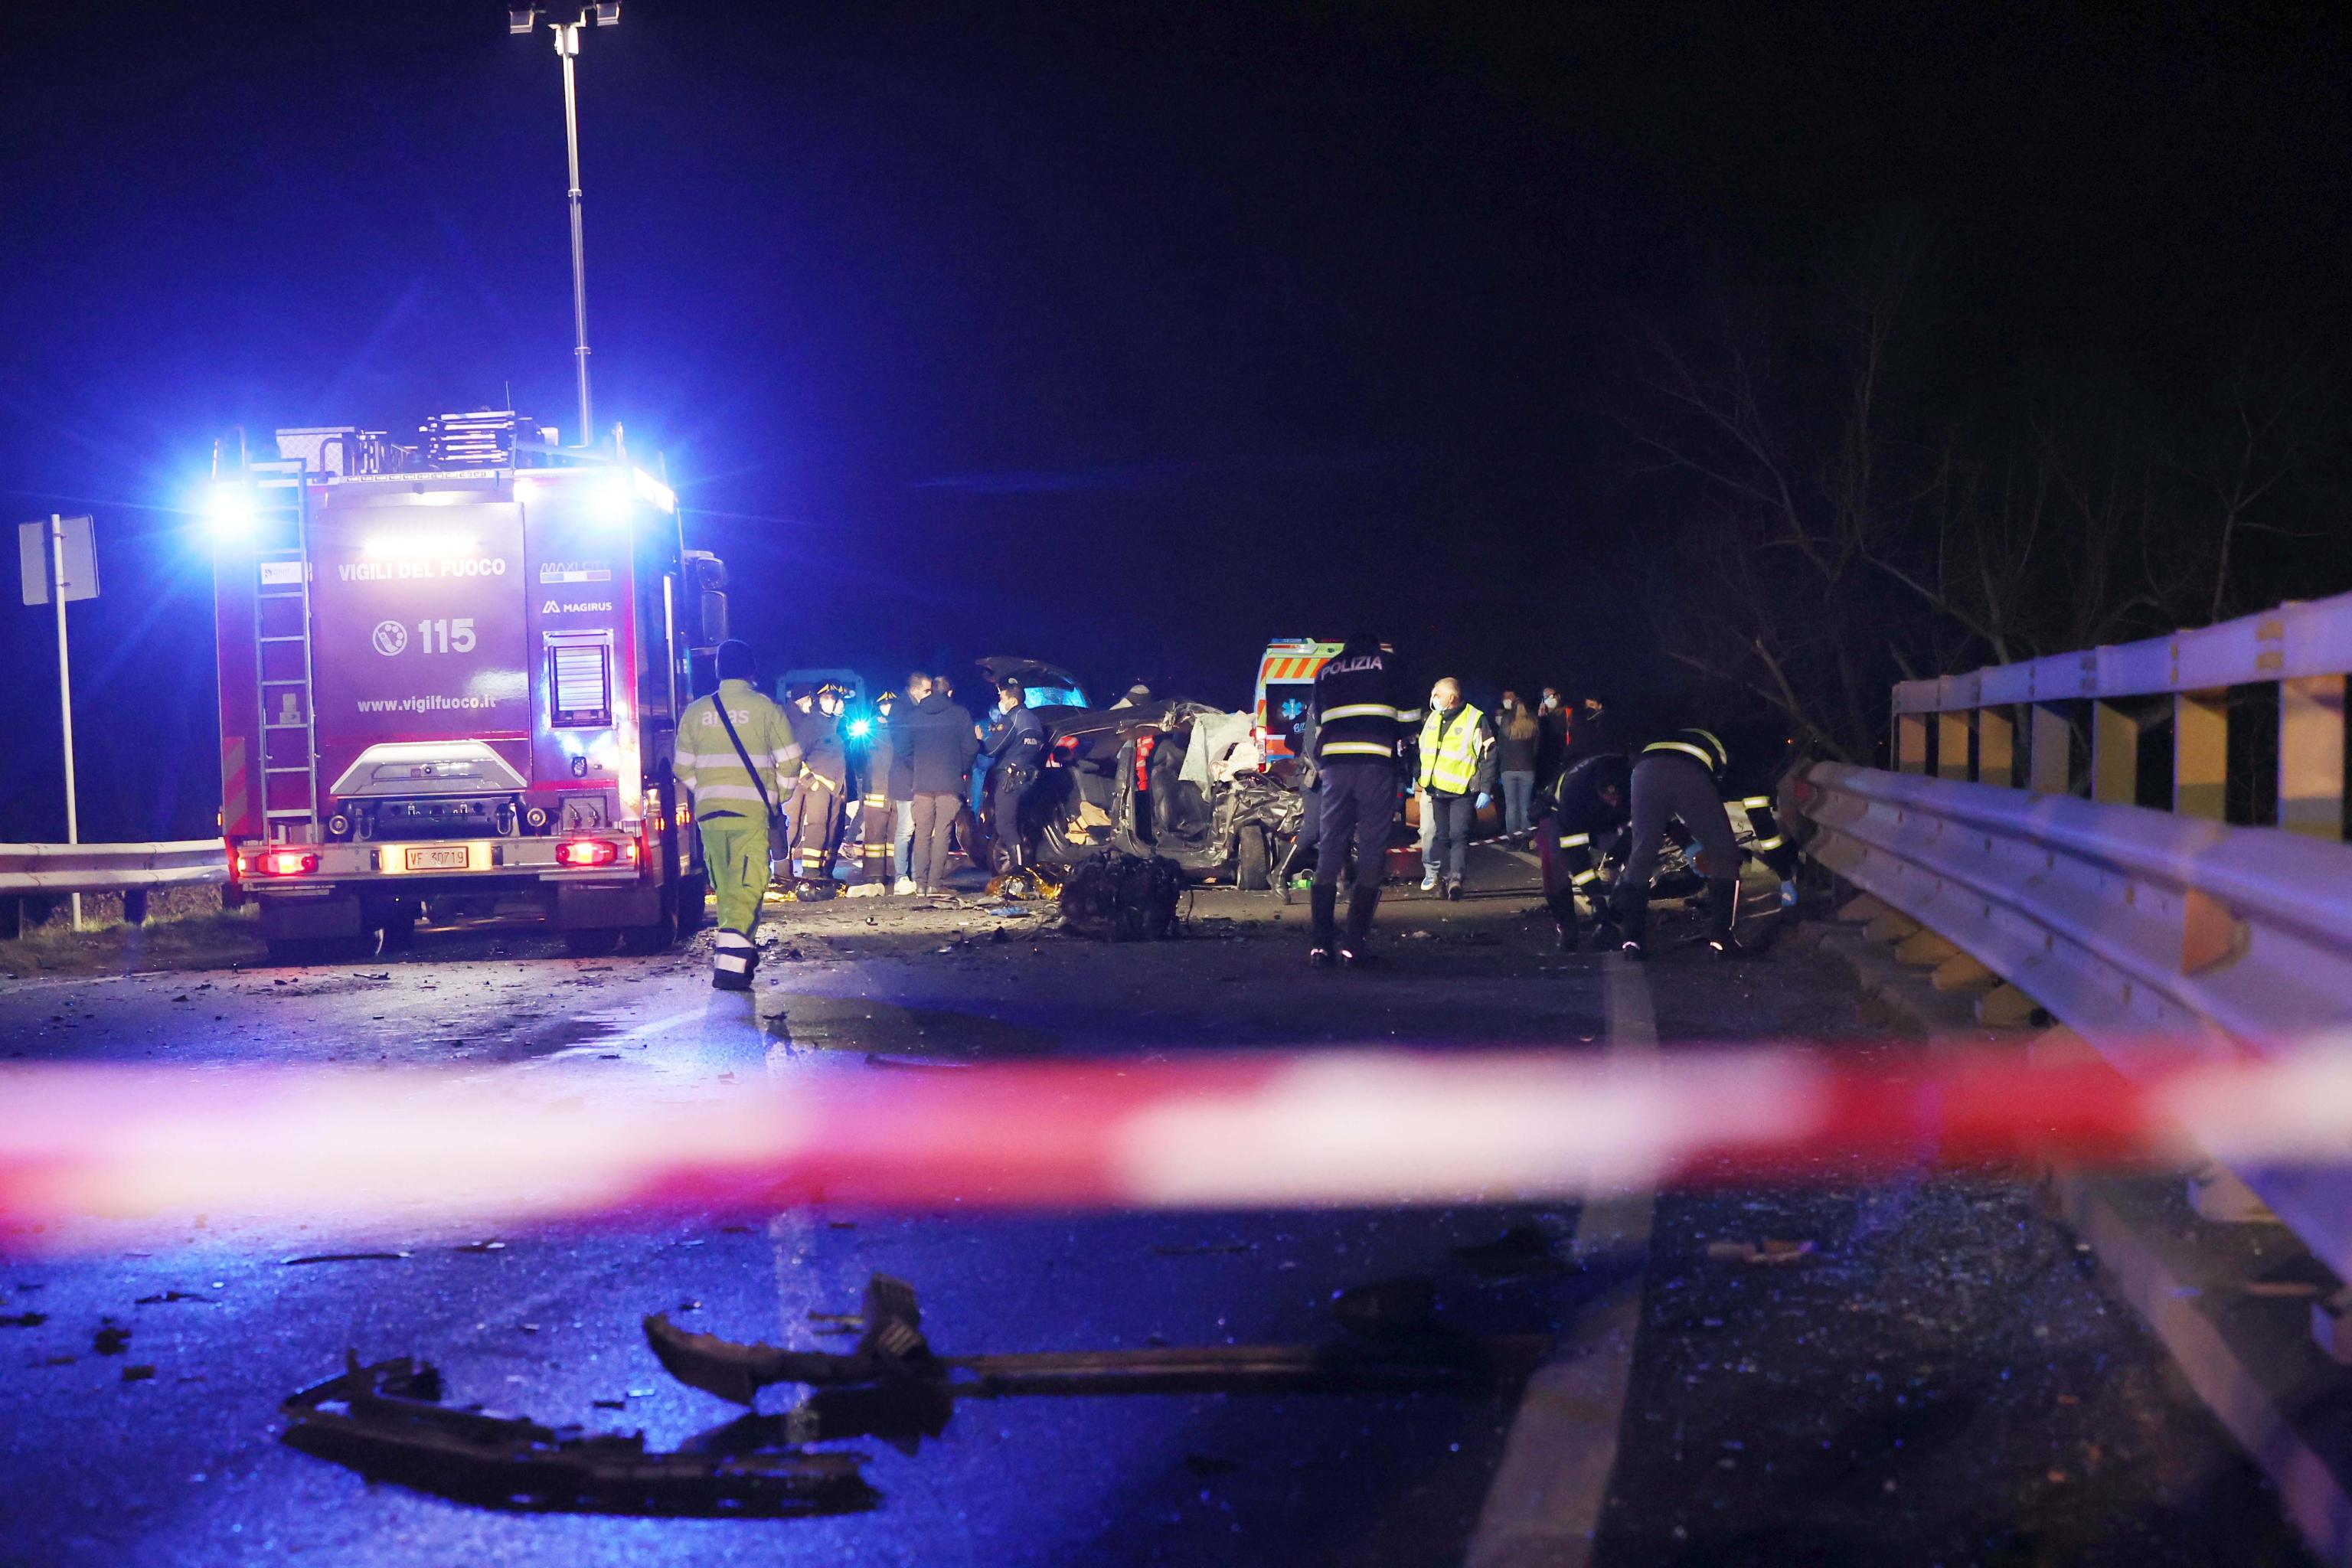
(1126, 336)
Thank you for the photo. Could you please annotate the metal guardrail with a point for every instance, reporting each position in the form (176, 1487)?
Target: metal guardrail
(2144, 931)
(1973, 721)
(2124, 922)
(133, 869)
(2130, 925)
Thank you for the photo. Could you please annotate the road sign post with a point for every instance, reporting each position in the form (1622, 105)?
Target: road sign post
(58, 562)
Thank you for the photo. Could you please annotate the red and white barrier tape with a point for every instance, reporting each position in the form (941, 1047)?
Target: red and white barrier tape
(340, 1151)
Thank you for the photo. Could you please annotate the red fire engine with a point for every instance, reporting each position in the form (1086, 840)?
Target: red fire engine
(453, 671)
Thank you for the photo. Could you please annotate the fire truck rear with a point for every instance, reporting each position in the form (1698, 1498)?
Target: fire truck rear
(453, 672)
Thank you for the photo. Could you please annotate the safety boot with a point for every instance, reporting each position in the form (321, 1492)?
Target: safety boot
(1723, 919)
(1354, 947)
(1562, 906)
(1633, 910)
(733, 957)
(1323, 904)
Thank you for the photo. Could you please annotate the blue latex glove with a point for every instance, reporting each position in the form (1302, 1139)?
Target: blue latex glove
(1486, 799)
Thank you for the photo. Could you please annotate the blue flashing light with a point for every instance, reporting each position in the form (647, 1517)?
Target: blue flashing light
(611, 501)
(860, 728)
(229, 510)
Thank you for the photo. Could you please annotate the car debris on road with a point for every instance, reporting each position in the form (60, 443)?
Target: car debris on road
(892, 1348)
(386, 1421)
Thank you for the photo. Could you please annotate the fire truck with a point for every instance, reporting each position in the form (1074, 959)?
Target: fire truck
(452, 671)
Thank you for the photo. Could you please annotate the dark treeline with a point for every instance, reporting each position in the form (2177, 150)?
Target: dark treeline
(1846, 509)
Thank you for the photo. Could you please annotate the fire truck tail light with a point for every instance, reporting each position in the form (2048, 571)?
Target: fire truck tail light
(288, 863)
(587, 852)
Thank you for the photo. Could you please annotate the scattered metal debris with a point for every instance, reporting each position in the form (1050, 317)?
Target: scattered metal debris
(161, 1297)
(1759, 1252)
(1522, 1250)
(111, 1338)
(23, 1320)
(349, 1257)
(138, 1372)
(1387, 1308)
(386, 1421)
(1419, 1355)
(1202, 1250)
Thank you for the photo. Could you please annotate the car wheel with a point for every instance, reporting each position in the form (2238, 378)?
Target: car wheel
(1254, 860)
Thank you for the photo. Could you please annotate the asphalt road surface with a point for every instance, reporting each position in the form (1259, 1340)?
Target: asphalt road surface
(1940, 1376)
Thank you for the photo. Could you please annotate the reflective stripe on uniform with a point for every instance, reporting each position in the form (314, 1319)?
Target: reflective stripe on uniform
(818, 779)
(787, 755)
(1756, 801)
(1685, 748)
(1772, 843)
(706, 793)
(1360, 711)
(1356, 749)
(733, 960)
(1581, 878)
(1572, 840)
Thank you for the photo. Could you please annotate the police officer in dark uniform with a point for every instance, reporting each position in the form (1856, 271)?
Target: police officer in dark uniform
(1360, 711)
(1015, 749)
(1679, 778)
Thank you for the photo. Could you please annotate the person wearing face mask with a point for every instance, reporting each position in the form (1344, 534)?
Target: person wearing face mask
(1515, 734)
(1551, 738)
(1456, 778)
(816, 812)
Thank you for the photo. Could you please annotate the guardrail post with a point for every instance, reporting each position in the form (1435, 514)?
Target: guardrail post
(2114, 755)
(1910, 742)
(2311, 756)
(2201, 753)
(1952, 745)
(2053, 761)
(1997, 747)
(134, 906)
(12, 919)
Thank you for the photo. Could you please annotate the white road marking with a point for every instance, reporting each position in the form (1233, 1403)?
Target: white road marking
(1546, 1503)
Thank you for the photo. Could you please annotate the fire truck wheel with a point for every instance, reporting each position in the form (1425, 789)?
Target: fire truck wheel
(639, 940)
(692, 890)
(593, 942)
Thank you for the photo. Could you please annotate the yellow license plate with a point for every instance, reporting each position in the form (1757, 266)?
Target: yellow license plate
(439, 858)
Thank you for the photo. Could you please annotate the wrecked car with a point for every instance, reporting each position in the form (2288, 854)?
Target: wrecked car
(1171, 779)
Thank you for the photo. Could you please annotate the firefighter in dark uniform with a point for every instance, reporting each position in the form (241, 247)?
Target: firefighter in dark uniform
(817, 806)
(1679, 778)
(1360, 711)
(1016, 750)
(1593, 799)
(877, 823)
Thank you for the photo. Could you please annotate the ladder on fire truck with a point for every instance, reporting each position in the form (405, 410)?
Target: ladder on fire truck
(281, 630)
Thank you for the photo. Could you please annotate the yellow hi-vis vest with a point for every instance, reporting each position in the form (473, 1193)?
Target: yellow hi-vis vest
(1450, 765)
